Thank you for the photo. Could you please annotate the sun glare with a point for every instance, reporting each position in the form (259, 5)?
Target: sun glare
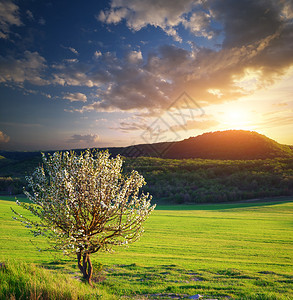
(236, 116)
(237, 119)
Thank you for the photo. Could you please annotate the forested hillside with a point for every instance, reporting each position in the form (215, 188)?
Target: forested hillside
(200, 180)
(189, 180)
(213, 167)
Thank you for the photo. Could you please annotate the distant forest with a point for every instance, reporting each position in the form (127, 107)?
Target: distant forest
(186, 180)
(208, 181)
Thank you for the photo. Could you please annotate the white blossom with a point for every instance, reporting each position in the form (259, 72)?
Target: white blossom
(85, 203)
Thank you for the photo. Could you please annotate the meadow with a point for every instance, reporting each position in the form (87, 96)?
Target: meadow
(220, 251)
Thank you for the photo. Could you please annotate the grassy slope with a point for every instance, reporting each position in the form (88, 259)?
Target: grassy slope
(27, 281)
(243, 251)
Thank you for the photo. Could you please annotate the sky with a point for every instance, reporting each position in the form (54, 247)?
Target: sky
(82, 74)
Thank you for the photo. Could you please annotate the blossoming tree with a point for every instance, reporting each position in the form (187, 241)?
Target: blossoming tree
(85, 204)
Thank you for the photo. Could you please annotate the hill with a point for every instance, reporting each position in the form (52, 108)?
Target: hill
(241, 165)
(230, 144)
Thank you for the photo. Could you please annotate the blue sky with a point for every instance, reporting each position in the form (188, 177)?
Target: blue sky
(78, 74)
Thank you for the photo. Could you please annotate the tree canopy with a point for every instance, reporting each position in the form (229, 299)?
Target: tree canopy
(85, 204)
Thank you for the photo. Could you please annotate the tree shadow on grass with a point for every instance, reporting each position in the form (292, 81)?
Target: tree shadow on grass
(20, 198)
(203, 206)
(174, 282)
(55, 265)
(229, 205)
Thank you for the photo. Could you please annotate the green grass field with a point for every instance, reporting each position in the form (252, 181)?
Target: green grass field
(225, 251)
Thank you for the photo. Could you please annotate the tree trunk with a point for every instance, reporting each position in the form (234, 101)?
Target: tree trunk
(85, 266)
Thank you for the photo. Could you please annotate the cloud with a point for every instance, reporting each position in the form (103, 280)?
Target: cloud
(29, 15)
(4, 138)
(256, 51)
(245, 22)
(42, 21)
(97, 54)
(280, 104)
(126, 126)
(87, 139)
(73, 97)
(277, 121)
(144, 125)
(209, 76)
(27, 68)
(71, 60)
(165, 14)
(134, 57)
(169, 72)
(196, 125)
(241, 22)
(9, 16)
(112, 16)
(73, 50)
(72, 73)
(199, 24)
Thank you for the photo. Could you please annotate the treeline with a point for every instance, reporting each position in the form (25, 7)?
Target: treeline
(13, 171)
(186, 180)
(11, 186)
(199, 181)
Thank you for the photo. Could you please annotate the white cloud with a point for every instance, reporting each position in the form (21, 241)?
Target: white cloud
(9, 16)
(73, 50)
(199, 24)
(4, 138)
(113, 16)
(73, 97)
(28, 68)
(134, 57)
(166, 14)
(78, 78)
(172, 32)
(71, 60)
(81, 74)
(97, 54)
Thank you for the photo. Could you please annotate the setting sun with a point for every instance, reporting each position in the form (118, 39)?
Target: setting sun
(236, 118)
